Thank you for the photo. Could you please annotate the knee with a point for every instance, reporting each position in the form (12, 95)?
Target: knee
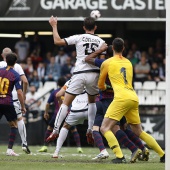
(96, 128)
(50, 128)
(103, 129)
(67, 126)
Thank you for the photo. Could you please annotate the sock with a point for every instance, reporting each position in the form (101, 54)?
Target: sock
(47, 134)
(151, 142)
(76, 138)
(62, 137)
(91, 114)
(113, 143)
(98, 140)
(135, 139)
(22, 131)
(123, 139)
(12, 136)
(60, 117)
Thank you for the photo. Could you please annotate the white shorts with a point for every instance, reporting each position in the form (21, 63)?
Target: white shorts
(87, 81)
(76, 118)
(17, 107)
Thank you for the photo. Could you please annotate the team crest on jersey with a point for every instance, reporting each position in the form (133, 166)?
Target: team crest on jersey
(19, 5)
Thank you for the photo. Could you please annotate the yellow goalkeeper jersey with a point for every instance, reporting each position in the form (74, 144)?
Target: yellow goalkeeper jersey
(120, 72)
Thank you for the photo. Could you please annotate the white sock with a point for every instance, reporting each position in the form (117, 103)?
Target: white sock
(22, 131)
(91, 114)
(62, 137)
(62, 113)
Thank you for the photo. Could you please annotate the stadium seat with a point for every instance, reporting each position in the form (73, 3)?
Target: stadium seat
(141, 100)
(161, 85)
(163, 100)
(137, 85)
(158, 93)
(144, 92)
(149, 85)
(50, 85)
(152, 100)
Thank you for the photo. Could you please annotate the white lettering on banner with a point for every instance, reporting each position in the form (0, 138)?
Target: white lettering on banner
(103, 4)
(139, 4)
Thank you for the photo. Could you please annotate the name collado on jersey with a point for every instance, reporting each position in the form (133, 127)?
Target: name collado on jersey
(90, 40)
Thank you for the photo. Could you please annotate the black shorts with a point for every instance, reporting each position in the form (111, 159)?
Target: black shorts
(102, 106)
(9, 112)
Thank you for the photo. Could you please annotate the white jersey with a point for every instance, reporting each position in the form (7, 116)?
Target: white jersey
(19, 70)
(85, 45)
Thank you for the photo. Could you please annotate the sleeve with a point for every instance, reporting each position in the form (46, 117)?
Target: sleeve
(51, 98)
(71, 40)
(103, 75)
(98, 62)
(19, 69)
(17, 82)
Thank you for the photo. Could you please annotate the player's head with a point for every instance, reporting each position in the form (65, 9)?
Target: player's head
(89, 24)
(61, 81)
(11, 59)
(5, 51)
(118, 45)
(109, 51)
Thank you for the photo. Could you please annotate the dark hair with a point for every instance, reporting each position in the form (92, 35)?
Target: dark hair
(11, 59)
(118, 44)
(61, 81)
(89, 23)
(110, 51)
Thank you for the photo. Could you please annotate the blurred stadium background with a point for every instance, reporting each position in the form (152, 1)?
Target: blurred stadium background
(140, 23)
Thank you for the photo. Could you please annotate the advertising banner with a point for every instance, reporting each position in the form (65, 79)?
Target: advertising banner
(113, 10)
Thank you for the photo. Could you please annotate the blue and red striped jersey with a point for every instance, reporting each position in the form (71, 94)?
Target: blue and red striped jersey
(8, 79)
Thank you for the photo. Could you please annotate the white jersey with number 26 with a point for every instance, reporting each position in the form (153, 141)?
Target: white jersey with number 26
(85, 45)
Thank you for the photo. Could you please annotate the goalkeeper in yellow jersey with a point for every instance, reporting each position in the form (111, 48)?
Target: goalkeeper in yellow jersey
(125, 103)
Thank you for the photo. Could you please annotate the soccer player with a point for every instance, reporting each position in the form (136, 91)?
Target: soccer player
(125, 103)
(78, 113)
(105, 98)
(8, 79)
(57, 102)
(16, 103)
(84, 76)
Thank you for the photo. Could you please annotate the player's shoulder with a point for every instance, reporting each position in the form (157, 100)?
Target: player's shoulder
(107, 61)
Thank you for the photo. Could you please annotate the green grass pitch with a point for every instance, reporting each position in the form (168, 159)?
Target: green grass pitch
(71, 160)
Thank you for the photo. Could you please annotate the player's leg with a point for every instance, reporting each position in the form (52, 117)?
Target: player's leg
(133, 119)
(144, 156)
(62, 137)
(91, 80)
(124, 140)
(76, 138)
(48, 132)
(11, 117)
(71, 120)
(21, 127)
(62, 113)
(96, 134)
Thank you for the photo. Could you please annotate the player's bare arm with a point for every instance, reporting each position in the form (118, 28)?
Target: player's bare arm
(46, 115)
(21, 99)
(25, 85)
(56, 36)
(91, 58)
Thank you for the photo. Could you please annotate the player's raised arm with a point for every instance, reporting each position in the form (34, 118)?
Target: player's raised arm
(56, 37)
(91, 58)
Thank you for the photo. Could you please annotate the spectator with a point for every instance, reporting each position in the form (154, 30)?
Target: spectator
(41, 71)
(35, 59)
(131, 58)
(154, 72)
(53, 70)
(47, 57)
(22, 49)
(31, 99)
(136, 52)
(34, 80)
(162, 70)
(36, 46)
(60, 58)
(29, 67)
(66, 69)
(142, 70)
(150, 54)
